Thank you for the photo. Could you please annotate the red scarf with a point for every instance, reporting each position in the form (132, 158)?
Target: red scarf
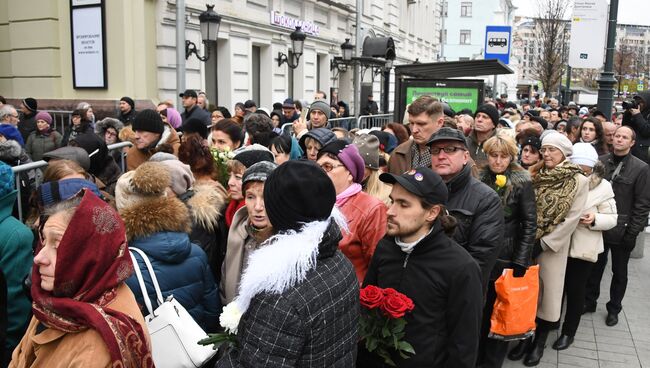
(233, 206)
(92, 261)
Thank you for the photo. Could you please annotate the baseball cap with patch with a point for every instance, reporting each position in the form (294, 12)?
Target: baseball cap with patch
(422, 182)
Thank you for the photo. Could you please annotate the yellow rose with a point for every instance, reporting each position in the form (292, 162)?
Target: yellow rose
(501, 181)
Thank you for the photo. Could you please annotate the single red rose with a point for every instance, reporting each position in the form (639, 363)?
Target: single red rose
(395, 305)
(409, 302)
(371, 297)
(390, 291)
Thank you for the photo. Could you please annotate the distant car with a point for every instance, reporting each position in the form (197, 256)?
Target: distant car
(501, 42)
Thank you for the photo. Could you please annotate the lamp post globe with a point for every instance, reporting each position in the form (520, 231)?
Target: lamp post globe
(297, 40)
(209, 22)
(346, 50)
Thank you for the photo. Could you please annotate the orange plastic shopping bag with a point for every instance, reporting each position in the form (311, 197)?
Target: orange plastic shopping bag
(513, 317)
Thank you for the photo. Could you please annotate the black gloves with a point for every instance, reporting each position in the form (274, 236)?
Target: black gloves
(537, 249)
(518, 270)
(629, 242)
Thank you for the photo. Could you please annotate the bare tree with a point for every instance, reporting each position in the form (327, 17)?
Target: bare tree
(624, 60)
(552, 38)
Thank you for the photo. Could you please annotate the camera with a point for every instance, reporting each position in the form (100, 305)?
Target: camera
(630, 104)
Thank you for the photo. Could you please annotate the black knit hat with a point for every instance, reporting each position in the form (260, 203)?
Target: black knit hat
(149, 121)
(30, 104)
(540, 120)
(250, 155)
(128, 100)
(532, 140)
(490, 111)
(195, 125)
(298, 192)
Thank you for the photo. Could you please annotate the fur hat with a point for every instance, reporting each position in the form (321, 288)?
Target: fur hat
(31, 104)
(11, 133)
(298, 192)
(6, 179)
(149, 121)
(149, 181)
(559, 141)
(102, 125)
(584, 154)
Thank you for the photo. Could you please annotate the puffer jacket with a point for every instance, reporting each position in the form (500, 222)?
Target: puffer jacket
(160, 227)
(39, 144)
(480, 219)
(640, 123)
(631, 194)
(587, 240)
(366, 216)
(520, 217)
(312, 324)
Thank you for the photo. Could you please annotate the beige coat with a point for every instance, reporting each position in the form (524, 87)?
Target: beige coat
(552, 261)
(587, 241)
(54, 348)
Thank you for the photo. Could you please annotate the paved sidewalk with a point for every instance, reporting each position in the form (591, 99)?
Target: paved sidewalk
(626, 345)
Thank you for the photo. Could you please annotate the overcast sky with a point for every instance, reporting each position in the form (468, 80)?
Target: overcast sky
(629, 11)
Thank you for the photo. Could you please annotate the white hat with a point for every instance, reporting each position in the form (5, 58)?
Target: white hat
(584, 154)
(560, 142)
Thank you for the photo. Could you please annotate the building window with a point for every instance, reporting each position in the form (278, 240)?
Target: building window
(465, 37)
(255, 73)
(466, 9)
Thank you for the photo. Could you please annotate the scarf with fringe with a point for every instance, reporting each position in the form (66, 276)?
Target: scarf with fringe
(555, 190)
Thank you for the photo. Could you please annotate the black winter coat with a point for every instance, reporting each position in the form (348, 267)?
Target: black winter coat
(641, 125)
(198, 113)
(313, 324)
(480, 219)
(631, 195)
(520, 217)
(27, 125)
(445, 285)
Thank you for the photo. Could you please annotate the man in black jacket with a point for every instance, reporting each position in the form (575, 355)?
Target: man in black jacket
(127, 110)
(417, 259)
(192, 110)
(475, 205)
(639, 120)
(629, 177)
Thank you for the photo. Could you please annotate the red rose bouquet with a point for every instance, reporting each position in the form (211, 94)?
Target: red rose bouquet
(381, 326)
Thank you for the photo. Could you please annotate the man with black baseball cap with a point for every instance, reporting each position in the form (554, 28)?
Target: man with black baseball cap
(417, 259)
(476, 206)
(192, 110)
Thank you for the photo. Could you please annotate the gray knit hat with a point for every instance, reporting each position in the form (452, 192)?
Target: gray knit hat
(322, 106)
(258, 172)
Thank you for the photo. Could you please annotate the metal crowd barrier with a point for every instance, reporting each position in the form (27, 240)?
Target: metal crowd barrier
(60, 119)
(40, 164)
(374, 121)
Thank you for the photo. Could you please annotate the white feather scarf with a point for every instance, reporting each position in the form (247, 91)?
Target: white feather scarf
(283, 260)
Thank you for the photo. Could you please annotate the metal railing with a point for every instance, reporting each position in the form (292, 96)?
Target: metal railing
(60, 119)
(40, 164)
(374, 121)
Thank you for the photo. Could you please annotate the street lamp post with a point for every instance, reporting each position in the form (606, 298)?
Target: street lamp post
(607, 80)
(297, 45)
(209, 22)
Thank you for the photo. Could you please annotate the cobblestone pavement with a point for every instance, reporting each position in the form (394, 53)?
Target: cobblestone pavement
(626, 345)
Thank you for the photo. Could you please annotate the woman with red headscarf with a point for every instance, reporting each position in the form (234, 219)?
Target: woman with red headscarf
(84, 314)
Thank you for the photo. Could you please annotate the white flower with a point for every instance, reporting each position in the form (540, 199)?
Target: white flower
(229, 318)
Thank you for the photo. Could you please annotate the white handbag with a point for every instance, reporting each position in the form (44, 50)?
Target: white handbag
(174, 333)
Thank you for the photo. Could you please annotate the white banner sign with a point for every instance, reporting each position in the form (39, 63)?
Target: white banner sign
(287, 22)
(588, 34)
(88, 48)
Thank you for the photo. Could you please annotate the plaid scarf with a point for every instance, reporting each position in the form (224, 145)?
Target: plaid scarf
(555, 190)
(418, 158)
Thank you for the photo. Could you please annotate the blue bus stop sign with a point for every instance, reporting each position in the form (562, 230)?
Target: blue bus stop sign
(497, 43)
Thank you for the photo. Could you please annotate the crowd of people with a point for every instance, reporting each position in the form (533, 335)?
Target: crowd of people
(233, 213)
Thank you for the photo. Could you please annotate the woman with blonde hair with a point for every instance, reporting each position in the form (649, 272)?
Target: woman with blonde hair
(515, 189)
(368, 146)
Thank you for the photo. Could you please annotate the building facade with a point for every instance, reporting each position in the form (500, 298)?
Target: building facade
(36, 54)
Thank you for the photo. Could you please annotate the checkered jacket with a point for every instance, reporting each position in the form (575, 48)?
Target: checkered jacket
(313, 324)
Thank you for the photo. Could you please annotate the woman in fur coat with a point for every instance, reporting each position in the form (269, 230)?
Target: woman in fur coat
(159, 225)
(598, 215)
(513, 185)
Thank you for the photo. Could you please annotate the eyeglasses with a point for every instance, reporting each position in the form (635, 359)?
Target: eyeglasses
(543, 150)
(108, 132)
(327, 167)
(448, 150)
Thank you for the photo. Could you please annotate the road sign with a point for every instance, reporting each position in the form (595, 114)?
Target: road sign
(497, 43)
(588, 30)
(639, 87)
